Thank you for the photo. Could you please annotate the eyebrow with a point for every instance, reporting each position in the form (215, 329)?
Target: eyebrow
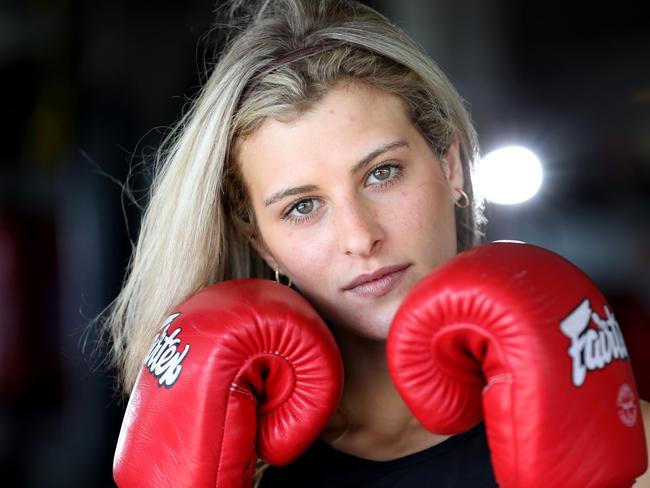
(380, 150)
(365, 161)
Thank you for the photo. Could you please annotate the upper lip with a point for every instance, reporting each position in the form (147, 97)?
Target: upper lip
(364, 278)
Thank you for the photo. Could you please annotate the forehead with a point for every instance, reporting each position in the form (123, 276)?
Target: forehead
(350, 116)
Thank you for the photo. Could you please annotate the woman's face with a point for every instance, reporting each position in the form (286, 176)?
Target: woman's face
(348, 189)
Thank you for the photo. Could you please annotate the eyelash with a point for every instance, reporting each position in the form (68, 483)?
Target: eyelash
(396, 168)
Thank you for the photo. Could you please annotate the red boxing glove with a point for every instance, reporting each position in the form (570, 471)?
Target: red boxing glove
(243, 369)
(516, 334)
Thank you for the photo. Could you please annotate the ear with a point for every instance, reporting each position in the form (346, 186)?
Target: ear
(453, 167)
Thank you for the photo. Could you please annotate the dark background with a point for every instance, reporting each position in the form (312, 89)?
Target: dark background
(88, 89)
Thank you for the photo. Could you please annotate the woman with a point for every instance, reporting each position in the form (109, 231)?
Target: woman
(328, 148)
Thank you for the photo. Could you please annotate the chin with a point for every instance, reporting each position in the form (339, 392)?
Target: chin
(371, 321)
(372, 326)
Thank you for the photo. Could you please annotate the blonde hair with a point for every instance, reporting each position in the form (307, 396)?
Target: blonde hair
(196, 228)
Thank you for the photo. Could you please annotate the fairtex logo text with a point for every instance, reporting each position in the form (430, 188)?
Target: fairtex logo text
(592, 348)
(164, 359)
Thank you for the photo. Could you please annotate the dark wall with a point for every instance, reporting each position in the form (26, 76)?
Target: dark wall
(88, 90)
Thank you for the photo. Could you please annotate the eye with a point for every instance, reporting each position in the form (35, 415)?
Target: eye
(384, 175)
(304, 207)
(302, 210)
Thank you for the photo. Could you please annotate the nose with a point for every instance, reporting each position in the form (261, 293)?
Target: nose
(358, 227)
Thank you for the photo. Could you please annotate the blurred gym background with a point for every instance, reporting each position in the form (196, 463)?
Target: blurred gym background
(89, 88)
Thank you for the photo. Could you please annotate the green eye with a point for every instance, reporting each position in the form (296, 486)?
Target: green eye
(382, 173)
(305, 207)
(384, 176)
(302, 211)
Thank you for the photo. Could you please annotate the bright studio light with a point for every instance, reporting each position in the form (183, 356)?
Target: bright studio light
(509, 175)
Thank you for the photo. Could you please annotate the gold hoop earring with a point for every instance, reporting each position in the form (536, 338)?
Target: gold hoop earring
(277, 278)
(464, 198)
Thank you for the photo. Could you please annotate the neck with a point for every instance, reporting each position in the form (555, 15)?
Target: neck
(369, 395)
(372, 421)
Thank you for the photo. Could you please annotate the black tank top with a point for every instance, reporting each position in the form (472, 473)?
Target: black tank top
(460, 461)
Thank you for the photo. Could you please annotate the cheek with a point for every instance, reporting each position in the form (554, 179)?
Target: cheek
(426, 216)
(306, 256)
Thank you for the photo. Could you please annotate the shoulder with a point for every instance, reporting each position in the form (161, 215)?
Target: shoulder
(644, 481)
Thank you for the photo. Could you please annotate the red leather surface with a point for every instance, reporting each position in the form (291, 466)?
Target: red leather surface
(261, 376)
(481, 337)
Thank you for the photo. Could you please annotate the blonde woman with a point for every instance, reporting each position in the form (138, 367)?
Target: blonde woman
(326, 150)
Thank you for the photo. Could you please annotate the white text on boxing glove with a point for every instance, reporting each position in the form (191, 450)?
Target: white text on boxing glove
(163, 359)
(592, 349)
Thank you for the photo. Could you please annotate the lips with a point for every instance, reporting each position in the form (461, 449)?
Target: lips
(377, 283)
